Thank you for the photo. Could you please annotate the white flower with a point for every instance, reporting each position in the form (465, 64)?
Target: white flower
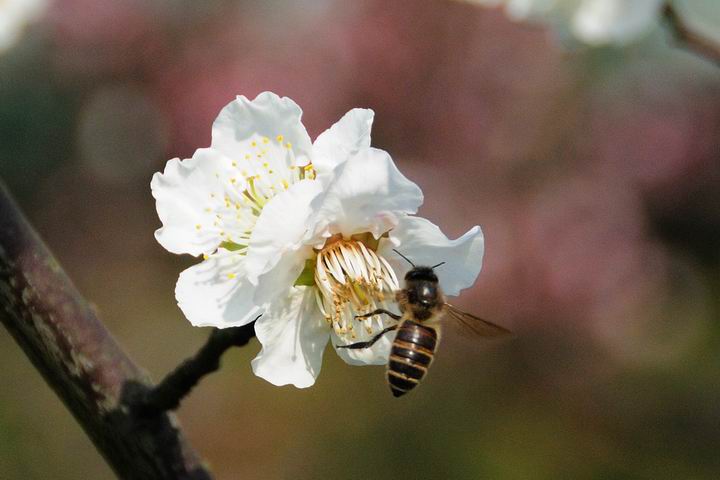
(595, 22)
(15, 15)
(301, 232)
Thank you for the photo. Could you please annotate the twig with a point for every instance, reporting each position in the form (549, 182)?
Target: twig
(178, 383)
(67, 343)
(691, 39)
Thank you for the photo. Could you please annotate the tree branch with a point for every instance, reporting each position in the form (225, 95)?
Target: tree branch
(62, 336)
(690, 39)
(178, 383)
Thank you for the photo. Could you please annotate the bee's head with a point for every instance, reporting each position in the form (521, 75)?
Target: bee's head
(421, 286)
(421, 274)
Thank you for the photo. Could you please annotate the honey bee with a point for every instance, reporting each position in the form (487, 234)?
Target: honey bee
(422, 307)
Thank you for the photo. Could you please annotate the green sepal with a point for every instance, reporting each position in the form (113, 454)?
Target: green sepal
(232, 246)
(307, 276)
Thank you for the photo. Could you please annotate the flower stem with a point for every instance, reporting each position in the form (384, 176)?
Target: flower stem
(177, 384)
(690, 39)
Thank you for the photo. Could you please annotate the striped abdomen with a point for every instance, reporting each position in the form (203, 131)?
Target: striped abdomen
(410, 356)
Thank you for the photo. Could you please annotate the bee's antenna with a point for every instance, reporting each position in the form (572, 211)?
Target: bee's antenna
(403, 256)
(435, 266)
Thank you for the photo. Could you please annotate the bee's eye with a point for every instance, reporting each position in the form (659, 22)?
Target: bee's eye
(412, 295)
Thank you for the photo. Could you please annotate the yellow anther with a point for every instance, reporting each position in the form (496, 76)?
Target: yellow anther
(205, 256)
(231, 275)
(234, 164)
(285, 184)
(253, 143)
(266, 140)
(266, 164)
(233, 180)
(198, 226)
(247, 156)
(279, 138)
(288, 145)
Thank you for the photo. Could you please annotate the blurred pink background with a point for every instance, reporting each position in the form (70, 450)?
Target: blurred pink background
(593, 173)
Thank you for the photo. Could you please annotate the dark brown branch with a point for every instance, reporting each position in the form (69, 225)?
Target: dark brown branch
(62, 336)
(178, 383)
(689, 38)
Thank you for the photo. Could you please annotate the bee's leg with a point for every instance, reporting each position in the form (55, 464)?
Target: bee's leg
(378, 312)
(369, 343)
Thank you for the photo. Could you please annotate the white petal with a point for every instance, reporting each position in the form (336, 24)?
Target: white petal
(267, 116)
(280, 228)
(424, 244)
(283, 274)
(344, 139)
(293, 335)
(376, 355)
(366, 195)
(184, 202)
(215, 292)
(599, 22)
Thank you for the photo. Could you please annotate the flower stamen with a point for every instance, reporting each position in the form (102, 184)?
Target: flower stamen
(352, 280)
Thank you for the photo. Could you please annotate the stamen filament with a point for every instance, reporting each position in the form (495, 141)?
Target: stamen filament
(352, 280)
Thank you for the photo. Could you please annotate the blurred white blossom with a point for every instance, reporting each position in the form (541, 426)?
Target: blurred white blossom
(595, 22)
(15, 15)
(701, 16)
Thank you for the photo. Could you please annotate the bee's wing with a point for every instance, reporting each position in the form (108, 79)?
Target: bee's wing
(473, 325)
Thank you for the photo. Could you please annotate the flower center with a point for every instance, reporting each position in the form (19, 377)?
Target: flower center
(352, 279)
